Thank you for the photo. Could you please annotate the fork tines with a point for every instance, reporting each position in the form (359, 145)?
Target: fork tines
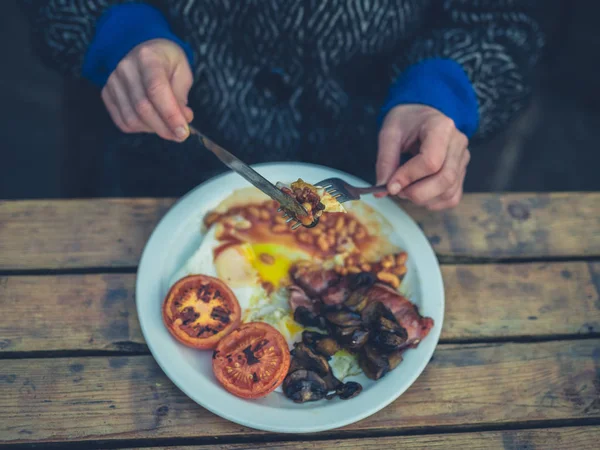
(290, 218)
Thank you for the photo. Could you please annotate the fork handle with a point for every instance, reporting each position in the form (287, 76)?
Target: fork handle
(371, 190)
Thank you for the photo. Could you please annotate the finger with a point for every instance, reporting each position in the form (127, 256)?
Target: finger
(450, 203)
(188, 113)
(181, 82)
(447, 195)
(434, 186)
(112, 109)
(388, 156)
(159, 91)
(435, 138)
(132, 122)
(142, 104)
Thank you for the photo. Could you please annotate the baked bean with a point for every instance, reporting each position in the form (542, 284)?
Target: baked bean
(401, 258)
(352, 227)
(389, 278)
(323, 243)
(388, 262)
(339, 224)
(399, 270)
(279, 228)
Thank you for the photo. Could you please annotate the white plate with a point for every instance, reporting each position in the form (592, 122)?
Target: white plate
(177, 236)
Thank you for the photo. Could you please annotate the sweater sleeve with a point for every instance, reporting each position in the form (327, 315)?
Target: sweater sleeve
(90, 38)
(62, 30)
(473, 63)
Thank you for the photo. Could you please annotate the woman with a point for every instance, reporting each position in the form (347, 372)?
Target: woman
(349, 84)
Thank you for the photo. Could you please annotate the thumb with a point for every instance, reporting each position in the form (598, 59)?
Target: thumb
(388, 157)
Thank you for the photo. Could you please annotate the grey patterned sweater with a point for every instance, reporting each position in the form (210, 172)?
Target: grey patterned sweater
(305, 80)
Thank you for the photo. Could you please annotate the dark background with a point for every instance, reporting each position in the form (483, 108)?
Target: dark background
(49, 125)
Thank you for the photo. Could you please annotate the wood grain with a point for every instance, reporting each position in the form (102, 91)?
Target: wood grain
(97, 312)
(501, 226)
(61, 399)
(112, 232)
(549, 438)
(43, 234)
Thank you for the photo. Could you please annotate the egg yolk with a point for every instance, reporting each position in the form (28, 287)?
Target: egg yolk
(272, 261)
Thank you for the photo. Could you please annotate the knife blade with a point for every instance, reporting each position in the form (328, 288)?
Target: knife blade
(252, 176)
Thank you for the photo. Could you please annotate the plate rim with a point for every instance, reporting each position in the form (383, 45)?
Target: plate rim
(257, 425)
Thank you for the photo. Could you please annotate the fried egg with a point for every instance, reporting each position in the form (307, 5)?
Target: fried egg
(247, 268)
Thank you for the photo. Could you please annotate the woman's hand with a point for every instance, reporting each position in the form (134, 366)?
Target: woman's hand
(148, 90)
(434, 176)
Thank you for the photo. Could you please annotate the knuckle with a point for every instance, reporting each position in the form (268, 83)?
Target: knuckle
(143, 107)
(449, 177)
(446, 124)
(146, 54)
(433, 162)
(130, 122)
(172, 117)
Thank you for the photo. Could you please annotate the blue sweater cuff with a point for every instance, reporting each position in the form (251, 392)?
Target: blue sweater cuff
(441, 84)
(120, 29)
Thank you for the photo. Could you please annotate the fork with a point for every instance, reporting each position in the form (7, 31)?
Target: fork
(344, 192)
(341, 191)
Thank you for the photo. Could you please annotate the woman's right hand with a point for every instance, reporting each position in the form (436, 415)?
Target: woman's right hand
(147, 92)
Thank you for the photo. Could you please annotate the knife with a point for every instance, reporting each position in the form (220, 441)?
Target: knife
(286, 201)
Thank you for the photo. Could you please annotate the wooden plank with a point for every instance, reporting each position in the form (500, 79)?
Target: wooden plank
(569, 438)
(515, 226)
(69, 312)
(97, 312)
(40, 234)
(112, 232)
(108, 398)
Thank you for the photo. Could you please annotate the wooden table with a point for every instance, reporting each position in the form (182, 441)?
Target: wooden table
(518, 365)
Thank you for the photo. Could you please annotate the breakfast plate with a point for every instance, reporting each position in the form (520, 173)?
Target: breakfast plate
(174, 245)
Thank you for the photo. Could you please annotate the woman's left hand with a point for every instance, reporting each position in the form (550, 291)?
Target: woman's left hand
(434, 176)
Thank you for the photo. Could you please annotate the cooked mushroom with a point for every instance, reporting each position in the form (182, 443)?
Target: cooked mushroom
(385, 324)
(394, 359)
(356, 301)
(352, 338)
(373, 364)
(304, 386)
(311, 338)
(344, 318)
(349, 390)
(373, 311)
(309, 360)
(362, 280)
(306, 317)
(387, 341)
(327, 346)
(331, 381)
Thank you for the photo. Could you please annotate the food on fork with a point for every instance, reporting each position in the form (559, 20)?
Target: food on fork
(314, 199)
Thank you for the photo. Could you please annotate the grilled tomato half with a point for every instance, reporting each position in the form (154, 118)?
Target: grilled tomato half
(200, 310)
(252, 361)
